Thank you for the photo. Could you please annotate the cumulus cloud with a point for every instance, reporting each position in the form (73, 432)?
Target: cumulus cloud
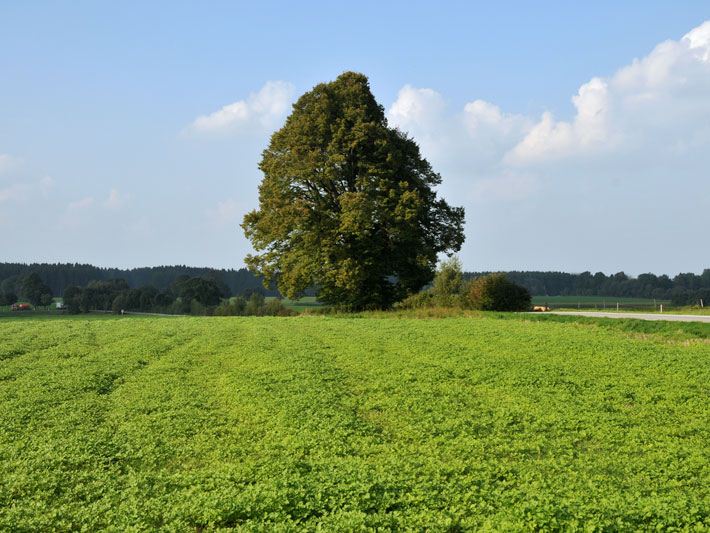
(262, 109)
(416, 107)
(633, 156)
(657, 107)
(466, 146)
(659, 102)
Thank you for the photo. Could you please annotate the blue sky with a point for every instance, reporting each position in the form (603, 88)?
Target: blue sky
(575, 134)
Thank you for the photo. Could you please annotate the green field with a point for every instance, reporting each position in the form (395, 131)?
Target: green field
(494, 422)
(302, 304)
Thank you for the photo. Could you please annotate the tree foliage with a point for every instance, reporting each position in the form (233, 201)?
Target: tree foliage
(34, 290)
(59, 276)
(448, 283)
(347, 204)
(495, 292)
(205, 291)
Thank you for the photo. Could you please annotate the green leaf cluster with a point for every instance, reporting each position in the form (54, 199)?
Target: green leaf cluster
(495, 292)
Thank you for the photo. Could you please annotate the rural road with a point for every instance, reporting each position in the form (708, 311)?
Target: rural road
(640, 316)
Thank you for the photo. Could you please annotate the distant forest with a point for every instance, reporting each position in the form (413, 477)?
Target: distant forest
(681, 289)
(60, 276)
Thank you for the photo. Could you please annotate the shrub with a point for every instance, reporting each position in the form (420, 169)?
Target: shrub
(257, 305)
(495, 292)
(445, 290)
(419, 300)
(448, 283)
(235, 306)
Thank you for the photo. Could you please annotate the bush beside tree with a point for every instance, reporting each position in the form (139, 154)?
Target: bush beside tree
(448, 283)
(495, 292)
(255, 305)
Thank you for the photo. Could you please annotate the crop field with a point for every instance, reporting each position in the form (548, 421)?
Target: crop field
(350, 423)
(302, 304)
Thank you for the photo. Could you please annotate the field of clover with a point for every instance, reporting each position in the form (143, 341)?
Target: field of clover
(350, 423)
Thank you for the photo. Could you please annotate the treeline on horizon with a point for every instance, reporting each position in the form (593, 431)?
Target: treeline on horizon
(682, 289)
(59, 276)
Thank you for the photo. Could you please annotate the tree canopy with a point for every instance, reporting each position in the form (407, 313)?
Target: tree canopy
(34, 290)
(347, 204)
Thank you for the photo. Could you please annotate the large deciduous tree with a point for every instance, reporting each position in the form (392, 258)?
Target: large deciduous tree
(347, 204)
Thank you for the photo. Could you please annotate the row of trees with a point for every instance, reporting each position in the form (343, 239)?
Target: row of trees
(28, 287)
(186, 295)
(683, 289)
(31, 286)
(59, 276)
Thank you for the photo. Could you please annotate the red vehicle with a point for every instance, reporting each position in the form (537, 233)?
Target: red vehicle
(21, 307)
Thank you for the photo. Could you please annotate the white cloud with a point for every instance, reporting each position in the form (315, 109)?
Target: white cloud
(655, 109)
(6, 162)
(416, 107)
(483, 117)
(474, 139)
(588, 130)
(632, 160)
(262, 109)
(225, 212)
(81, 204)
(13, 192)
(21, 183)
(115, 200)
(698, 40)
(46, 184)
(657, 105)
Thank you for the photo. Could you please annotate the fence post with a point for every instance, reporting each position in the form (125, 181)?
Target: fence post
(661, 308)
(617, 306)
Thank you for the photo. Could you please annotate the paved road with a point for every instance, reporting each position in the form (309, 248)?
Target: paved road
(640, 316)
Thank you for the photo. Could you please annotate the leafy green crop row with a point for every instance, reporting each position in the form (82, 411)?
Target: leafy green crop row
(343, 423)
